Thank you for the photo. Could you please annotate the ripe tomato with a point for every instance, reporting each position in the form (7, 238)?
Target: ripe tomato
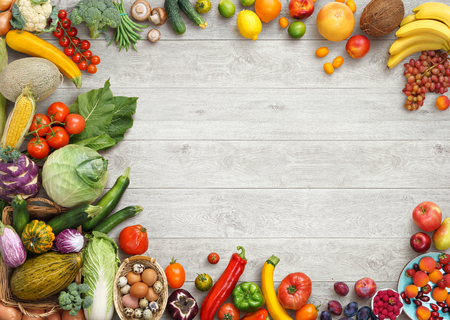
(40, 120)
(62, 14)
(82, 65)
(58, 139)
(92, 69)
(65, 22)
(69, 50)
(64, 41)
(76, 57)
(72, 32)
(38, 149)
(76, 41)
(95, 60)
(294, 291)
(85, 45)
(213, 258)
(228, 312)
(87, 54)
(133, 240)
(58, 33)
(74, 123)
(307, 312)
(175, 274)
(59, 111)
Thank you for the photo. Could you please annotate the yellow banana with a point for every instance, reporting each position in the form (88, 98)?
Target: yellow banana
(408, 19)
(425, 26)
(403, 43)
(428, 4)
(436, 13)
(423, 46)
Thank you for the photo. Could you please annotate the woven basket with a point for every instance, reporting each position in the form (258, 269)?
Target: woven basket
(43, 213)
(127, 266)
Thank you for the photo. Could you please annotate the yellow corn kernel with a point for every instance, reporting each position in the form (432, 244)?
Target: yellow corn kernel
(21, 116)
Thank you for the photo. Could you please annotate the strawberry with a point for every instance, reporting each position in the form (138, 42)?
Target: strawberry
(444, 258)
(438, 265)
(426, 289)
(410, 273)
(447, 268)
(441, 284)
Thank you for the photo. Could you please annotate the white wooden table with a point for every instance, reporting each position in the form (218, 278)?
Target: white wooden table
(237, 142)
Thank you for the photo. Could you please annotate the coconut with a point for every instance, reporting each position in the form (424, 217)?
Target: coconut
(381, 17)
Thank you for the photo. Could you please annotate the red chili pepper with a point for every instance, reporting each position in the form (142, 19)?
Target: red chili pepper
(223, 287)
(261, 314)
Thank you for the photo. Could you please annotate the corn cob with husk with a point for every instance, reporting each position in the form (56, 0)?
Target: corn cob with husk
(19, 120)
(3, 63)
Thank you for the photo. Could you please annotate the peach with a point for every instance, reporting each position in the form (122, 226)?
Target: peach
(411, 291)
(423, 313)
(427, 264)
(435, 276)
(442, 103)
(447, 301)
(420, 279)
(439, 294)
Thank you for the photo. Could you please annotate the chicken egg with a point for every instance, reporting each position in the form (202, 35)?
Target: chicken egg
(149, 276)
(139, 290)
(130, 302)
(132, 278)
(151, 295)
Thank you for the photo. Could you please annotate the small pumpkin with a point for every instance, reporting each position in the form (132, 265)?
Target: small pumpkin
(37, 237)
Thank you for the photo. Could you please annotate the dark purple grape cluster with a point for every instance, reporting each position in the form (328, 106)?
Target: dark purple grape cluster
(429, 73)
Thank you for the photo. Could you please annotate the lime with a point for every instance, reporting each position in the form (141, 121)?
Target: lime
(226, 8)
(247, 3)
(297, 29)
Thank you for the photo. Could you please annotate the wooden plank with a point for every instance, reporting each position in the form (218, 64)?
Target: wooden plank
(279, 164)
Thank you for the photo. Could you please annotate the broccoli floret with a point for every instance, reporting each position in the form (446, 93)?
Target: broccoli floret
(72, 287)
(64, 301)
(87, 302)
(99, 15)
(83, 288)
(75, 310)
(72, 300)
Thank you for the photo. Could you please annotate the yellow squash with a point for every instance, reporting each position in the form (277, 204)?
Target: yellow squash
(276, 310)
(28, 43)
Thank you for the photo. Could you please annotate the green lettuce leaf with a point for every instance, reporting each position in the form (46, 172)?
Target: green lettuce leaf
(35, 2)
(98, 143)
(122, 119)
(17, 20)
(97, 109)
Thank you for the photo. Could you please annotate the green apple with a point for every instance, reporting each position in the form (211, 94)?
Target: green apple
(441, 237)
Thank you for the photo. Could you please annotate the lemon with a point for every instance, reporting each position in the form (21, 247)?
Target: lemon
(249, 24)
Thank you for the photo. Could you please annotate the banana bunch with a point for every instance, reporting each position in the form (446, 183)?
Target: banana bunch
(427, 29)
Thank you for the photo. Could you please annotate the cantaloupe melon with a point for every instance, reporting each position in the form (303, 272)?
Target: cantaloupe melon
(41, 76)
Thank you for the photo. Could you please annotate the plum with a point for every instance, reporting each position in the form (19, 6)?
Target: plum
(346, 319)
(341, 288)
(334, 307)
(351, 309)
(325, 316)
(363, 313)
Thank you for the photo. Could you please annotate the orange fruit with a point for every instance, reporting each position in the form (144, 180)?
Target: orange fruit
(283, 22)
(335, 21)
(423, 313)
(338, 61)
(439, 294)
(328, 67)
(322, 52)
(267, 10)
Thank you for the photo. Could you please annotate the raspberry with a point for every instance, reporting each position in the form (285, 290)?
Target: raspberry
(379, 303)
(390, 308)
(381, 317)
(397, 312)
(393, 317)
(385, 298)
(385, 305)
(385, 312)
(390, 293)
(396, 295)
(375, 311)
(377, 298)
(399, 304)
(390, 314)
(396, 308)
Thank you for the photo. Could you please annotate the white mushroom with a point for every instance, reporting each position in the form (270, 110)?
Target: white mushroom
(158, 16)
(154, 35)
(141, 10)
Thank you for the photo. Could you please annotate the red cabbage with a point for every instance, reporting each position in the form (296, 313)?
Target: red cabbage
(69, 241)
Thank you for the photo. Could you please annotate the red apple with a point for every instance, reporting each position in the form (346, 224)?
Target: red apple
(357, 46)
(365, 288)
(420, 242)
(427, 216)
(301, 9)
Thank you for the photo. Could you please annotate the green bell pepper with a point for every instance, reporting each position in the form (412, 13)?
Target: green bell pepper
(248, 297)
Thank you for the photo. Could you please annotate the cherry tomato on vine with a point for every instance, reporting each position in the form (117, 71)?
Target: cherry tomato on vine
(38, 149)
(72, 32)
(64, 41)
(76, 41)
(175, 274)
(82, 65)
(40, 120)
(92, 69)
(95, 60)
(65, 22)
(62, 14)
(76, 57)
(74, 123)
(59, 138)
(58, 33)
(59, 111)
(85, 45)
(69, 50)
(213, 258)
(87, 54)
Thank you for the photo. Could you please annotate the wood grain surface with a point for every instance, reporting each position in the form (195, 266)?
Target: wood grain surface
(237, 142)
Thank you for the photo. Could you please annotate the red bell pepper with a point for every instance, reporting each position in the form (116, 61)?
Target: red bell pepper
(223, 287)
(261, 314)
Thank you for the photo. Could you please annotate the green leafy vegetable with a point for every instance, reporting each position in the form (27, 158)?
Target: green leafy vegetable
(102, 142)
(35, 2)
(54, 18)
(17, 21)
(9, 155)
(122, 118)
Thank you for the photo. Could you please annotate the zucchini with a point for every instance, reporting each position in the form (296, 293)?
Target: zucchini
(118, 217)
(173, 13)
(21, 216)
(191, 13)
(109, 201)
(74, 218)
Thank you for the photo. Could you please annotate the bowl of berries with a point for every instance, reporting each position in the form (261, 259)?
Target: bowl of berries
(387, 304)
(424, 286)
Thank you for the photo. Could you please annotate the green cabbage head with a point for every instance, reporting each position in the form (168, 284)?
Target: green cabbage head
(74, 175)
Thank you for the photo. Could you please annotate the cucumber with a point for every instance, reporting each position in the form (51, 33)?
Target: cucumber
(74, 218)
(173, 13)
(191, 13)
(109, 201)
(21, 217)
(118, 217)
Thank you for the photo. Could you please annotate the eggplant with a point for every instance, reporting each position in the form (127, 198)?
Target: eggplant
(181, 305)
(11, 247)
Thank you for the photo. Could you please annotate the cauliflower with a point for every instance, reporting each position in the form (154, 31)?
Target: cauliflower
(35, 16)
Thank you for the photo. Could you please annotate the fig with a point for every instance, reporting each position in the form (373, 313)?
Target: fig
(341, 288)
(334, 307)
(351, 309)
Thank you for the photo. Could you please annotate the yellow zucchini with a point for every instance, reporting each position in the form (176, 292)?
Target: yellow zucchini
(28, 43)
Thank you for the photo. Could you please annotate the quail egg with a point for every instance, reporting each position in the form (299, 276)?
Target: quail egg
(158, 287)
(128, 312)
(138, 268)
(122, 282)
(125, 289)
(138, 313)
(143, 303)
(147, 314)
(154, 307)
